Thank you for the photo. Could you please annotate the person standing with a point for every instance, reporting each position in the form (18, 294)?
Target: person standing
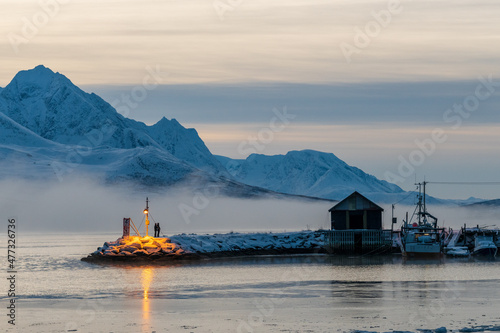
(159, 229)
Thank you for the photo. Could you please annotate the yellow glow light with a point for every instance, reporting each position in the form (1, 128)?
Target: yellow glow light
(145, 211)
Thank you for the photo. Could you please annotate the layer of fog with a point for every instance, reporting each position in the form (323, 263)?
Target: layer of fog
(448, 216)
(84, 206)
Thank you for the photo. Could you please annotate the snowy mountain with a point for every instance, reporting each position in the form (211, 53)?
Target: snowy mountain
(186, 145)
(15, 134)
(51, 106)
(51, 129)
(308, 172)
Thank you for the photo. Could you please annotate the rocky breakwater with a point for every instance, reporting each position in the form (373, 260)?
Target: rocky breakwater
(195, 246)
(135, 248)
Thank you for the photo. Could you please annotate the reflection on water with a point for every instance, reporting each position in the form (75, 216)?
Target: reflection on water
(146, 278)
(145, 313)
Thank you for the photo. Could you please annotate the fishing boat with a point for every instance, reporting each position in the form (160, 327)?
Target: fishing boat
(484, 246)
(422, 237)
(480, 241)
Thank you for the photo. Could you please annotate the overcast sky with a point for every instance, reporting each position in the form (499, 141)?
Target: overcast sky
(360, 79)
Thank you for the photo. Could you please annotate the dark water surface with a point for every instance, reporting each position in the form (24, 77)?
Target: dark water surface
(316, 293)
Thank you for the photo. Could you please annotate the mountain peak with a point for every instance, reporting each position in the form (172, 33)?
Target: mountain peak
(31, 82)
(38, 74)
(165, 122)
(41, 68)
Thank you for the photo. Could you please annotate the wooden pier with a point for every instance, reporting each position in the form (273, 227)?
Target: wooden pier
(359, 241)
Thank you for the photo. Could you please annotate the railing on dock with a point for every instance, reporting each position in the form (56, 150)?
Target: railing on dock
(358, 241)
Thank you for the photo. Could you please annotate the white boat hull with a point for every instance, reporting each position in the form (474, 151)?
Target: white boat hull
(457, 251)
(484, 246)
(422, 249)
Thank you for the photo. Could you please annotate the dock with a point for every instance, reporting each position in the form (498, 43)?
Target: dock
(359, 241)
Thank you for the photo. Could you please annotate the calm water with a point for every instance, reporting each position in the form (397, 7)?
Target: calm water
(261, 294)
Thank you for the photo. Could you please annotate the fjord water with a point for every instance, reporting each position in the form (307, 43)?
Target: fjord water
(310, 293)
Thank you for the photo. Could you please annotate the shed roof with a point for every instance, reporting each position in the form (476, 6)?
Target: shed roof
(356, 201)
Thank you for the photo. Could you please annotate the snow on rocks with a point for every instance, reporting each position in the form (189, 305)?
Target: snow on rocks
(195, 246)
(239, 242)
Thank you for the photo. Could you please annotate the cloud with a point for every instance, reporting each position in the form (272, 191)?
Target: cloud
(451, 217)
(365, 103)
(281, 41)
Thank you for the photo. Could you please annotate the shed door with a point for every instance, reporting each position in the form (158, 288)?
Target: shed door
(356, 220)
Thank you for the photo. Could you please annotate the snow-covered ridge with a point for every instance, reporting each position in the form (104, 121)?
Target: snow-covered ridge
(47, 106)
(307, 172)
(50, 129)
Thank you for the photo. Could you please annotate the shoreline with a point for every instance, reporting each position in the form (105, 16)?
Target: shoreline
(199, 256)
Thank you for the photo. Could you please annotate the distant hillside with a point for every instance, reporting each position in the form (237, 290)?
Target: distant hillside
(310, 173)
(487, 203)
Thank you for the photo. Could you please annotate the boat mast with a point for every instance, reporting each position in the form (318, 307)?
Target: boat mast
(419, 202)
(425, 207)
(422, 206)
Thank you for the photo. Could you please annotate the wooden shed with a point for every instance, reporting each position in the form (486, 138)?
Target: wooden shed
(356, 212)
